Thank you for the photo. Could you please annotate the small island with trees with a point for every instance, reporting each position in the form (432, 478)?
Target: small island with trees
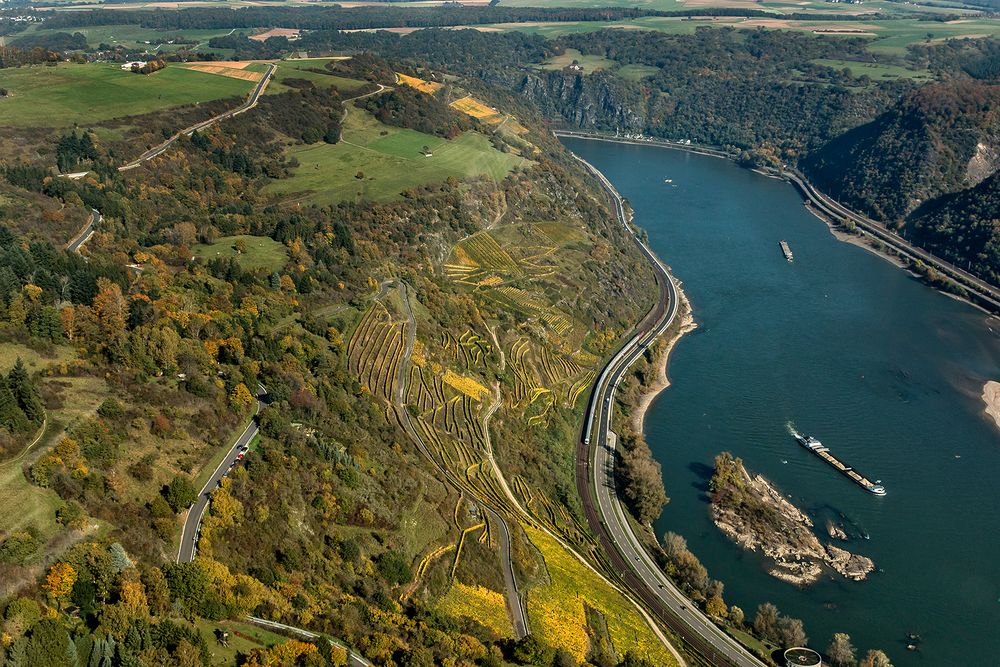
(751, 512)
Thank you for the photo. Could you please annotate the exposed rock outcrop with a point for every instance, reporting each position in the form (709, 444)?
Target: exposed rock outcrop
(751, 512)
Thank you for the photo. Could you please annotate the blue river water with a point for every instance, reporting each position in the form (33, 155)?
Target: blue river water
(885, 371)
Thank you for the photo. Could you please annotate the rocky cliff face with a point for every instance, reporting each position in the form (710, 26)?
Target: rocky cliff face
(751, 512)
(597, 101)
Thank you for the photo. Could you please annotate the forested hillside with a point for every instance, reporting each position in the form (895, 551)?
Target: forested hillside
(962, 227)
(938, 139)
(201, 284)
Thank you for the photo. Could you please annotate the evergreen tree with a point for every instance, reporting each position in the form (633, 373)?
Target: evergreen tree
(25, 392)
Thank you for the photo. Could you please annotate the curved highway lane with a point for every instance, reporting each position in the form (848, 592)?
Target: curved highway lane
(596, 484)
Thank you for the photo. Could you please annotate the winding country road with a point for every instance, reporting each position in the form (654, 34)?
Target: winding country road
(512, 597)
(84, 234)
(596, 484)
(188, 547)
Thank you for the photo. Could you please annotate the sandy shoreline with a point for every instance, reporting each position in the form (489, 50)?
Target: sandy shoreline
(686, 323)
(991, 396)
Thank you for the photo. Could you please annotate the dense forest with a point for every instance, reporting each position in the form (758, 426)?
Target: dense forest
(385, 16)
(927, 166)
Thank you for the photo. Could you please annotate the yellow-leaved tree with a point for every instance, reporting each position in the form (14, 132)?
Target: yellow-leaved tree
(240, 398)
(60, 580)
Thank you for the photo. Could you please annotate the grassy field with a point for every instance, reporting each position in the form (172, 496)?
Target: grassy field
(23, 504)
(261, 252)
(389, 160)
(298, 69)
(243, 638)
(877, 71)
(69, 93)
(636, 72)
(587, 63)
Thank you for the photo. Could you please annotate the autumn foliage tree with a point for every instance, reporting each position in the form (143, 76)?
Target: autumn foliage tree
(59, 581)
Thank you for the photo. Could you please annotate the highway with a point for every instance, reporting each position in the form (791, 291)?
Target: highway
(596, 484)
(983, 292)
(250, 103)
(188, 547)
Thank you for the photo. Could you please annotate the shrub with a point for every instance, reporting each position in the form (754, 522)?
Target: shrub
(393, 567)
(180, 493)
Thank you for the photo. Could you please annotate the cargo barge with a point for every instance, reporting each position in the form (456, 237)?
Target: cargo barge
(786, 251)
(817, 448)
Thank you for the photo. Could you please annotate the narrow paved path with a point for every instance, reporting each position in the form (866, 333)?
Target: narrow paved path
(84, 234)
(595, 480)
(188, 547)
(353, 659)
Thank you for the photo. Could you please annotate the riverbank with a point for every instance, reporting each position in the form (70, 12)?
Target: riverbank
(991, 396)
(684, 323)
(867, 240)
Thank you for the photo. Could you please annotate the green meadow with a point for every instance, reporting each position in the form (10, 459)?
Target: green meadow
(299, 69)
(69, 93)
(377, 162)
(260, 252)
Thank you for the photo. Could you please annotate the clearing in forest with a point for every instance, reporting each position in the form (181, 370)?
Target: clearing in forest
(423, 86)
(378, 162)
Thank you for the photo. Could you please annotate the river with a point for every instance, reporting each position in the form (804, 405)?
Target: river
(885, 371)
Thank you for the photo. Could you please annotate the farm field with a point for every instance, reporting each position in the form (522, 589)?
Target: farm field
(778, 6)
(299, 69)
(261, 252)
(70, 93)
(478, 603)
(888, 35)
(388, 163)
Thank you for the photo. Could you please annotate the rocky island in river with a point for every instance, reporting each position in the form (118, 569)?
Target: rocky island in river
(751, 512)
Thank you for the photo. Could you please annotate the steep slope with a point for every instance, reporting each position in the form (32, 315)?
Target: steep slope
(939, 139)
(964, 228)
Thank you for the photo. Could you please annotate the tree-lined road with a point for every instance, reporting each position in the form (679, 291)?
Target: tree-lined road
(250, 103)
(597, 487)
(88, 230)
(192, 524)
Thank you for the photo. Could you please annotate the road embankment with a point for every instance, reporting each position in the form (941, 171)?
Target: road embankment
(684, 323)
